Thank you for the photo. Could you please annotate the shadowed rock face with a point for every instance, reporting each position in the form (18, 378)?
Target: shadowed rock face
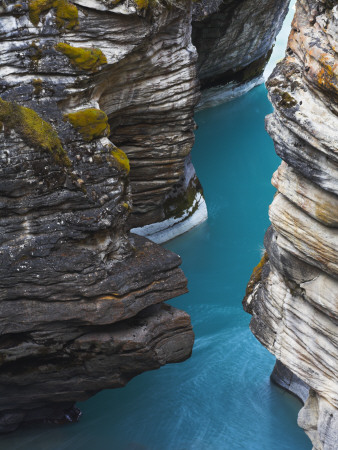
(293, 298)
(234, 39)
(80, 300)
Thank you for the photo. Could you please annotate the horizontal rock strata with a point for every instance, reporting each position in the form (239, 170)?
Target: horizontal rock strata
(293, 293)
(234, 40)
(81, 301)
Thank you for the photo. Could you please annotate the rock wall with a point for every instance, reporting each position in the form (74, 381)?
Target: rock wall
(234, 40)
(292, 294)
(81, 302)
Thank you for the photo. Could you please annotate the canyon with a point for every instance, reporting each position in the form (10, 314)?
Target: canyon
(97, 103)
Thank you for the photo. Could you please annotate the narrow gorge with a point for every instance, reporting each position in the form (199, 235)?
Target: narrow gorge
(97, 123)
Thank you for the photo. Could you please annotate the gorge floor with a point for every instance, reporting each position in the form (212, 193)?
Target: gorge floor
(222, 397)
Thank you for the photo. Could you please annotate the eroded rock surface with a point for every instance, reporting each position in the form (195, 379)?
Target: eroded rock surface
(293, 294)
(80, 300)
(234, 40)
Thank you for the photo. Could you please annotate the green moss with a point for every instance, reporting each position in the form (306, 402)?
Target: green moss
(121, 158)
(183, 200)
(37, 83)
(82, 57)
(142, 4)
(66, 13)
(35, 52)
(91, 123)
(33, 130)
(286, 101)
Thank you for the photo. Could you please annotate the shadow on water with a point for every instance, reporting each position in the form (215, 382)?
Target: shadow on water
(221, 398)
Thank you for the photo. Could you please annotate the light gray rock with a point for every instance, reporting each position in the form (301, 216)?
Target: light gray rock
(293, 297)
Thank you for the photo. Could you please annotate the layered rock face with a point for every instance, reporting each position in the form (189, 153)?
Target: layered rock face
(292, 294)
(149, 97)
(81, 302)
(234, 40)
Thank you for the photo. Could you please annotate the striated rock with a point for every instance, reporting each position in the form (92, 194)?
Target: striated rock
(81, 300)
(294, 300)
(318, 203)
(234, 40)
(284, 378)
(149, 96)
(45, 372)
(142, 76)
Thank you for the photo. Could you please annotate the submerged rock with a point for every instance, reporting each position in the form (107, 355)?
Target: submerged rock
(294, 300)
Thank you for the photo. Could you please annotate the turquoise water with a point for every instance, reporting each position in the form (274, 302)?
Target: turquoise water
(221, 398)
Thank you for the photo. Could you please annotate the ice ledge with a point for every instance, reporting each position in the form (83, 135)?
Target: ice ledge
(160, 232)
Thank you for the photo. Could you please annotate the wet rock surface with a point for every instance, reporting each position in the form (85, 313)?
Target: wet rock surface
(294, 299)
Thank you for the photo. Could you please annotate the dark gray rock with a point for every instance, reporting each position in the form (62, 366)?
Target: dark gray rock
(234, 40)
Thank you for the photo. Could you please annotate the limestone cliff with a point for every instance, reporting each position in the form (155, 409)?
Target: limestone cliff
(292, 294)
(80, 300)
(234, 40)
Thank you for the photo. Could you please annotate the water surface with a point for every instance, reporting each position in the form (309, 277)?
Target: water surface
(221, 398)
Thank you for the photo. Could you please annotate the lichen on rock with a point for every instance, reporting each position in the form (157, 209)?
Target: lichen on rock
(142, 4)
(35, 131)
(83, 58)
(91, 123)
(66, 14)
(121, 158)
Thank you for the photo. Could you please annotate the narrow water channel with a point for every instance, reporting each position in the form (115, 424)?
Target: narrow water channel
(221, 398)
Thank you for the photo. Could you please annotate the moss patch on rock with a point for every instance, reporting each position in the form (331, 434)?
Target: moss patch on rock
(66, 13)
(121, 158)
(287, 101)
(82, 57)
(254, 279)
(183, 200)
(91, 123)
(33, 130)
(142, 4)
(37, 83)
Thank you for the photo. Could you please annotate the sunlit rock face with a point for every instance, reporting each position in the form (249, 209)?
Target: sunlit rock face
(293, 296)
(81, 301)
(234, 40)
